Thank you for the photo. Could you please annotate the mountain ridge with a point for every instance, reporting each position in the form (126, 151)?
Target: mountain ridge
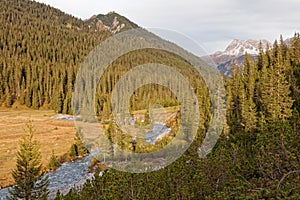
(239, 48)
(235, 53)
(112, 22)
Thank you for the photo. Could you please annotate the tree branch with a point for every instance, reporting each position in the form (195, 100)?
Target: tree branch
(282, 179)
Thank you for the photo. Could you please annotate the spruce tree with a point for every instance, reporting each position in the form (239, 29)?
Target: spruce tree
(82, 150)
(233, 88)
(28, 172)
(53, 163)
(295, 73)
(275, 89)
(248, 105)
(78, 148)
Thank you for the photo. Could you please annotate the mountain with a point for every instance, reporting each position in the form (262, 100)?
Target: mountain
(112, 22)
(234, 53)
(238, 48)
(225, 68)
(42, 48)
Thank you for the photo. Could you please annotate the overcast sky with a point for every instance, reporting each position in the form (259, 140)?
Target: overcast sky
(211, 23)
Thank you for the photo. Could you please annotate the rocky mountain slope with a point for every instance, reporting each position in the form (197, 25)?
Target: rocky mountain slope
(112, 22)
(239, 48)
(235, 53)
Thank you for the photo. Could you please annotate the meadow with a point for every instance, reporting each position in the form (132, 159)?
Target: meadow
(52, 135)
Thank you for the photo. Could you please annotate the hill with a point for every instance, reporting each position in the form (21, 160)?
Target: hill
(40, 50)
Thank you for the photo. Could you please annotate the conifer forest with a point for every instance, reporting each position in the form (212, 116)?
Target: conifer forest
(256, 156)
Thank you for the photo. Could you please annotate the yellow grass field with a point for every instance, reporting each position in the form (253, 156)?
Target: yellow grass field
(52, 134)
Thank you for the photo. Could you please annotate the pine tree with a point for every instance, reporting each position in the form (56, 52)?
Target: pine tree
(73, 151)
(53, 163)
(110, 132)
(275, 89)
(81, 148)
(233, 88)
(147, 119)
(248, 106)
(78, 148)
(295, 73)
(9, 100)
(28, 172)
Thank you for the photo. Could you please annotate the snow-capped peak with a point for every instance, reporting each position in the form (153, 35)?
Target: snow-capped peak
(239, 47)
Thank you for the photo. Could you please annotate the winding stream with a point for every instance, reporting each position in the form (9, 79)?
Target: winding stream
(76, 173)
(65, 177)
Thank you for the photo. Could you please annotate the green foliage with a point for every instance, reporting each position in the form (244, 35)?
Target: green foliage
(41, 49)
(294, 72)
(28, 172)
(53, 163)
(275, 90)
(73, 151)
(258, 158)
(261, 92)
(277, 156)
(58, 196)
(78, 148)
(81, 148)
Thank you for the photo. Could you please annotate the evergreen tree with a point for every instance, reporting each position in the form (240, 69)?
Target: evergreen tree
(295, 73)
(248, 106)
(28, 172)
(81, 148)
(78, 148)
(275, 89)
(110, 132)
(9, 100)
(233, 89)
(147, 119)
(73, 151)
(53, 163)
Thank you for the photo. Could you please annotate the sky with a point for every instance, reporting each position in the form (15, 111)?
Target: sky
(212, 24)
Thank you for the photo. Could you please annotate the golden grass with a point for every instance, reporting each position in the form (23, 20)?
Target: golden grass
(56, 135)
(52, 134)
(167, 110)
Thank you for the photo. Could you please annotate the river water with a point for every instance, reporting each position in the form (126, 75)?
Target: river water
(65, 177)
(75, 174)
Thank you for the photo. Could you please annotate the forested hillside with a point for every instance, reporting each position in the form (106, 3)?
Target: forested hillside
(41, 48)
(41, 51)
(257, 157)
(266, 90)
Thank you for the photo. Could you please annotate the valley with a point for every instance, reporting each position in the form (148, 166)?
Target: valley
(180, 134)
(53, 135)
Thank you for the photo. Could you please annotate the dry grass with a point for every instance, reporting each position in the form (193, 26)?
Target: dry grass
(52, 134)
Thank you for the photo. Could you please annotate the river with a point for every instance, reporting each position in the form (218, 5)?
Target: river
(76, 173)
(65, 177)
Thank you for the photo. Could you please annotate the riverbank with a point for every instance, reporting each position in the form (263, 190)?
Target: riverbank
(67, 176)
(52, 134)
